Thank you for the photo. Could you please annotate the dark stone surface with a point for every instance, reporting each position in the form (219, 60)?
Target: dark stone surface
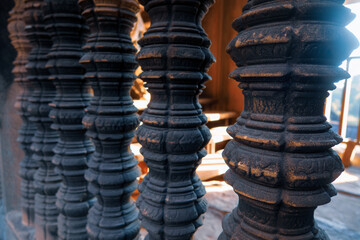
(281, 162)
(111, 118)
(66, 27)
(28, 167)
(175, 58)
(46, 179)
(340, 218)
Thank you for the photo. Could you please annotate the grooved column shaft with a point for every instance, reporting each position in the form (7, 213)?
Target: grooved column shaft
(281, 161)
(66, 27)
(175, 57)
(46, 180)
(111, 118)
(28, 167)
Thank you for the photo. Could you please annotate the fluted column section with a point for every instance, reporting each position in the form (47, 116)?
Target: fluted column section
(66, 28)
(46, 180)
(281, 161)
(175, 57)
(111, 118)
(28, 166)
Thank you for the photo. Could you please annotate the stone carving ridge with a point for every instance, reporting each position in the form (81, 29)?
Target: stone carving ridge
(67, 29)
(46, 180)
(111, 118)
(175, 57)
(281, 161)
(28, 167)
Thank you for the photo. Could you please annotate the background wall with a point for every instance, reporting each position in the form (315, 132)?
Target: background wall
(10, 154)
(218, 25)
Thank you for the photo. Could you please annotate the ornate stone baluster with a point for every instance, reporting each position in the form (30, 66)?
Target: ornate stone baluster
(111, 117)
(66, 27)
(28, 165)
(46, 180)
(175, 57)
(281, 161)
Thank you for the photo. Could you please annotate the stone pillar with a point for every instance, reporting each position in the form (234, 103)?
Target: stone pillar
(175, 57)
(46, 180)
(281, 161)
(111, 117)
(66, 28)
(28, 166)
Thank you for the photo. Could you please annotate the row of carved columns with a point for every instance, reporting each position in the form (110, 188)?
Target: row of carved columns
(78, 173)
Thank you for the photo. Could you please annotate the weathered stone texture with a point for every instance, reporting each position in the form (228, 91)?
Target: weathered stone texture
(281, 161)
(67, 29)
(175, 57)
(111, 118)
(46, 180)
(27, 166)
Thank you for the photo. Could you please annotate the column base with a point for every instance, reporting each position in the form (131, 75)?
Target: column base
(233, 228)
(15, 230)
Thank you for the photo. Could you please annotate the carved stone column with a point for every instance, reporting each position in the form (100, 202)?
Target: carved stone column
(175, 57)
(46, 180)
(67, 27)
(111, 117)
(281, 161)
(28, 166)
